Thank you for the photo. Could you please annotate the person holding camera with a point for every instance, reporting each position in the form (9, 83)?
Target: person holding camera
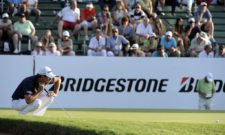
(206, 90)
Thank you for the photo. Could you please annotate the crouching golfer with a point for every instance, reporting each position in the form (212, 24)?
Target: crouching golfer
(30, 96)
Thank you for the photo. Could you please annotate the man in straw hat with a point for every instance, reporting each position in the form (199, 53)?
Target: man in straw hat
(198, 44)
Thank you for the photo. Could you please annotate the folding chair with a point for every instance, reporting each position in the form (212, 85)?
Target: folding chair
(25, 41)
(85, 47)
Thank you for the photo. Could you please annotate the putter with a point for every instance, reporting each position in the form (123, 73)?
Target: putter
(62, 108)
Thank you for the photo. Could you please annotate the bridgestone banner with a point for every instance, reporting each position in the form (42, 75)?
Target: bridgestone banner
(120, 82)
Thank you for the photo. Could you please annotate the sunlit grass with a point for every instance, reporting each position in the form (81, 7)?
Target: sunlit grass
(135, 122)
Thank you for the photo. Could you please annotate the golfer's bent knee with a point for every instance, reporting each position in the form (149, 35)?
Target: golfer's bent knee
(37, 103)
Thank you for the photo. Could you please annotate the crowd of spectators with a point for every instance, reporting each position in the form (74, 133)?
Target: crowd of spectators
(120, 28)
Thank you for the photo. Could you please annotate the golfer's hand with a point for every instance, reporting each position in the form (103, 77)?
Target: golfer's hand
(51, 94)
(41, 87)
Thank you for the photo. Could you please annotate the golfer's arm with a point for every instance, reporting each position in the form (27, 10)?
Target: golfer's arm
(57, 83)
(30, 98)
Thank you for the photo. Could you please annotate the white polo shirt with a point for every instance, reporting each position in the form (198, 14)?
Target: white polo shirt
(67, 14)
(32, 2)
(141, 29)
(94, 43)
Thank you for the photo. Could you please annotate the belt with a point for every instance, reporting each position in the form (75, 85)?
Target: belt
(15, 99)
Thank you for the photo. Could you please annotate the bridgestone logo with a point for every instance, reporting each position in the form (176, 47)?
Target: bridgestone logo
(189, 84)
(120, 85)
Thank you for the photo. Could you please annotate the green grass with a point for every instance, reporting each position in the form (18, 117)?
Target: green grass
(116, 122)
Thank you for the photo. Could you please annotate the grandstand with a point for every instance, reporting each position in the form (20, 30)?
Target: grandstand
(218, 18)
(47, 8)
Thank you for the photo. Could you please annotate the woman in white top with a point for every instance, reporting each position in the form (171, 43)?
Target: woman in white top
(52, 51)
(37, 50)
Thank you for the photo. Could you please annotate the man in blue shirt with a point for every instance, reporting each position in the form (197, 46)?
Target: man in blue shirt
(168, 41)
(117, 45)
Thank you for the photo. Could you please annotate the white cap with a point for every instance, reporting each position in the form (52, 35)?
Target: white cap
(46, 71)
(209, 77)
(89, 5)
(135, 46)
(203, 4)
(152, 34)
(203, 35)
(5, 15)
(191, 19)
(66, 33)
(169, 33)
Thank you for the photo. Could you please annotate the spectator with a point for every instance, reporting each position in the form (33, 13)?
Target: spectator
(5, 26)
(117, 45)
(109, 3)
(119, 13)
(13, 6)
(220, 52)
(130, 4)
(136, 15)
(23, 28)
(178, 32)
(147, 7)
(126, 29)
(189, 4)
(190, 32)
(198, 44)
(207, 52)
(88, 19)
(174, 52)
(136, 51)
(159, 6)
(66, 45)
(103, 14)
(208, 2)
(174, 4)
(22, 8)
(159, 27)
(206, 90)
(32, 9)
(150, 44)
(97, 45)
(52, 51)
(106, 26)
(6, 31)
(143, 31)
(46, 39)
(70, 17)
(204, 20)
(160, 52)
(168, 41)
(38, 50)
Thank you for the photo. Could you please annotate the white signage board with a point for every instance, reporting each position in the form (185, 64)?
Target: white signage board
(109, 82)
(13, 70)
